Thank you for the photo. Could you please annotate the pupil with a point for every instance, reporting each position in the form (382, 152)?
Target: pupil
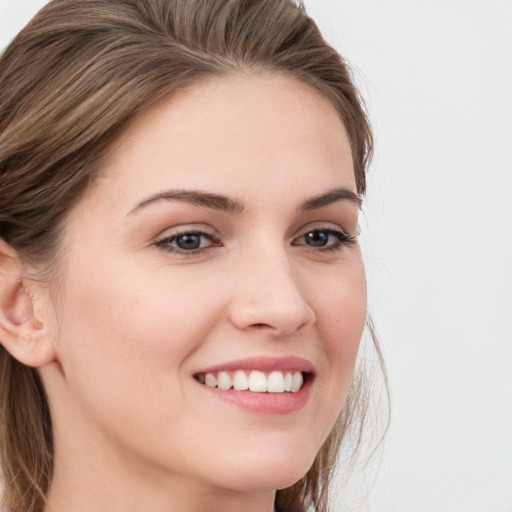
(317, 238)
(188, 241)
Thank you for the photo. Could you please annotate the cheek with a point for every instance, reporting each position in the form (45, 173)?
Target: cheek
(129, 332)
(341, 312)
(341, 315)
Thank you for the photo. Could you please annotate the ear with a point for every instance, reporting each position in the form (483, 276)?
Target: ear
(22, 333)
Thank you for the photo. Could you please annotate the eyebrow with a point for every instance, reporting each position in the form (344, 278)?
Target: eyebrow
(229, 205)
(332, 196)
(213, 201)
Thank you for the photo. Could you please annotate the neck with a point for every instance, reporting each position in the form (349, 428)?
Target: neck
(94, 471)
(106, 492)
(104, 481)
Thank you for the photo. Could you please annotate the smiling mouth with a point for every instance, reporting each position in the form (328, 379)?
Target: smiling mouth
(256, 381)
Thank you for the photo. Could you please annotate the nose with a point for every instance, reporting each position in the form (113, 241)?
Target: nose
(269, 297)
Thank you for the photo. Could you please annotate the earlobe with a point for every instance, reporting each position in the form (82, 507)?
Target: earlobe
(22, 334)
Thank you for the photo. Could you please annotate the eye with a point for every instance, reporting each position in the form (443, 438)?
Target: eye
(325, 239)
(188, 242)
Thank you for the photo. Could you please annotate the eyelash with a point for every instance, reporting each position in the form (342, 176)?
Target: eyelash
(342, 239)
(166, 242)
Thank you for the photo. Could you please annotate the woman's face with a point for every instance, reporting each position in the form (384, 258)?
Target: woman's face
(218, 243)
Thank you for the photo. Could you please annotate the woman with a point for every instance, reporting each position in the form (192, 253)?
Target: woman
(182, 293)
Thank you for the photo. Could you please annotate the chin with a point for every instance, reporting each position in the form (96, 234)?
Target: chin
(271, 472)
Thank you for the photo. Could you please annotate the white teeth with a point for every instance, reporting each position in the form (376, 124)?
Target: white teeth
(210, 380)
(240, 381)
(257, 381)
(224, 381)
(288, 381)
(297, 382)
(275, 382)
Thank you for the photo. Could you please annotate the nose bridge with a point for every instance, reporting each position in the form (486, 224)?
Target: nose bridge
(270, 295)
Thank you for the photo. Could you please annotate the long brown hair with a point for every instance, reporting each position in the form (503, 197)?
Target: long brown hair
(69, 82)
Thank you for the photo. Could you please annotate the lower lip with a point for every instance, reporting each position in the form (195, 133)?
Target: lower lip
(265, 403)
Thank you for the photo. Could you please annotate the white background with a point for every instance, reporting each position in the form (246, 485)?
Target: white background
(437, 78)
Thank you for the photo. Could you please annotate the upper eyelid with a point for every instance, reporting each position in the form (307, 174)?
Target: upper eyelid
(324, 226)
(345, 237)
(164, 238)
(215, 241)
(174, 231)
(327, 228)
(188, 232)
(214, 234)
(164, 243)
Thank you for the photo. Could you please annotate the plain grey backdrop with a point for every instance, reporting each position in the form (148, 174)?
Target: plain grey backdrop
(437, 237)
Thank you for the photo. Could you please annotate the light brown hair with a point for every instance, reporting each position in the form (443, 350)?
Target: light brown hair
(69, 83)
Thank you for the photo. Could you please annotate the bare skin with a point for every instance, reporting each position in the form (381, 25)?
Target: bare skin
(154, 290)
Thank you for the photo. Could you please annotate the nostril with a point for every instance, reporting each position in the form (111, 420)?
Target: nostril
(280, 314)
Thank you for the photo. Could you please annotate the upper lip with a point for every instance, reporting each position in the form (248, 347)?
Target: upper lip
(263, 363)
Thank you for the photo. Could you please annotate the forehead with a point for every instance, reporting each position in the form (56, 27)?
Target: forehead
(234, 132)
